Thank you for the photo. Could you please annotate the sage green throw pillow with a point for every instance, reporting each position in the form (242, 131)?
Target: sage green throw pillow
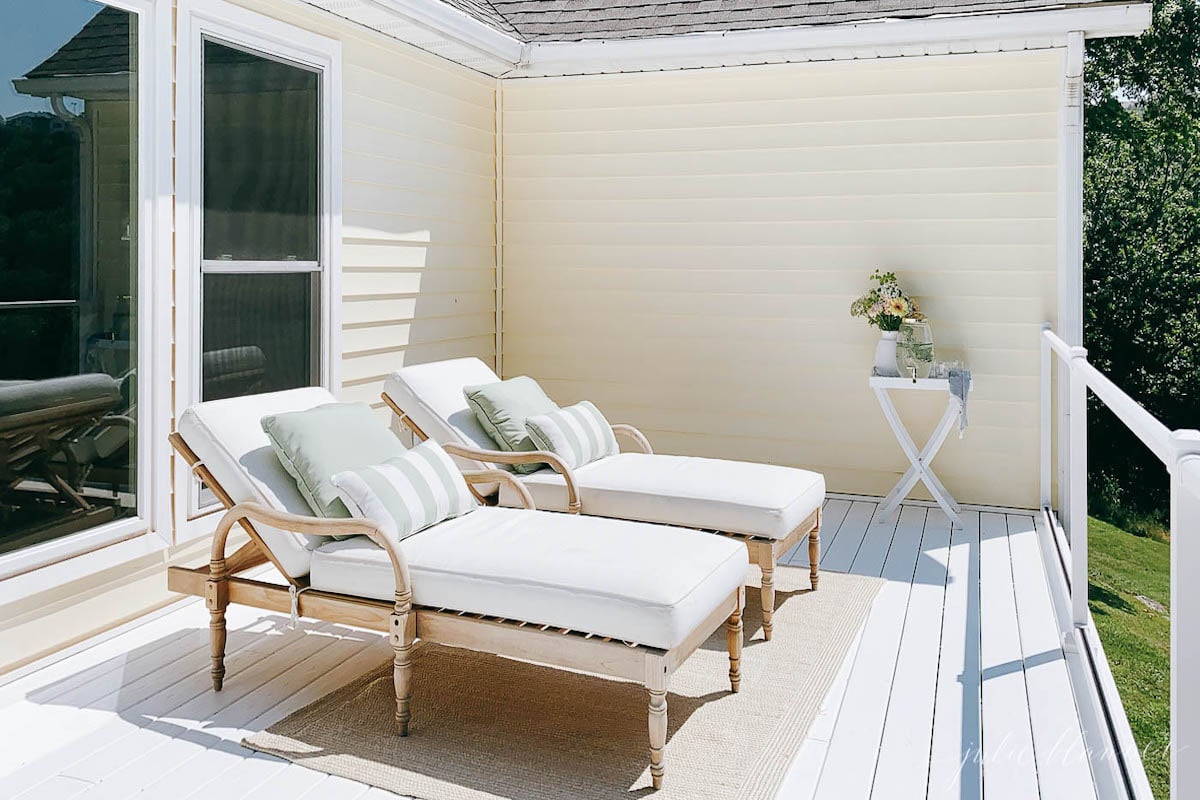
(315, 444)
(502, 409)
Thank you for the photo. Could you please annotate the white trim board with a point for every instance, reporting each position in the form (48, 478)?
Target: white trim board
(150, 528)
(239, 27)
(443, 30)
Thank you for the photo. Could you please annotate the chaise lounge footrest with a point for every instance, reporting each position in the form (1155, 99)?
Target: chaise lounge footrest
(600, 576)
(761, 500)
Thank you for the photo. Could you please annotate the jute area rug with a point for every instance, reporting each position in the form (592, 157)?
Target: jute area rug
(485, 727)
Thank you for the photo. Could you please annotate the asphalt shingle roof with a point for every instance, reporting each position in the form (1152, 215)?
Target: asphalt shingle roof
(576, 20)
(101, 47)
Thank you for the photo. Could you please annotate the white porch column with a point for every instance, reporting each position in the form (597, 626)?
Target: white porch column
(1070, 250)
(1185, 614)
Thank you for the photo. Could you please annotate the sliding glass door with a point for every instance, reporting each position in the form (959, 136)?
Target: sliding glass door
(68, 269)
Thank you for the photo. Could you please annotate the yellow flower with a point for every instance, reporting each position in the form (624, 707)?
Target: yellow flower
(895, 307)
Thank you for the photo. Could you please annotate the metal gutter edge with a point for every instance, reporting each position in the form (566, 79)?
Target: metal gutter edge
(884, 38)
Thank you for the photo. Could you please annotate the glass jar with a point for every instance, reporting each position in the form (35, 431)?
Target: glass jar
(914, 349)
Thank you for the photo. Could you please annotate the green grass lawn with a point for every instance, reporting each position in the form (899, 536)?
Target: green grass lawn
(1136, 636)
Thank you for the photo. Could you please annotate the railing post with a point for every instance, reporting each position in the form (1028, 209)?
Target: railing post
(1185, 614)
(1047, 424)
(1077, 488)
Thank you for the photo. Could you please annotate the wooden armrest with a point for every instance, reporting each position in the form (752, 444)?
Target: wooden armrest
(502, 457)
(300, 524)
(403, 416)
(530, 457)
(621, 429)
(500, 476)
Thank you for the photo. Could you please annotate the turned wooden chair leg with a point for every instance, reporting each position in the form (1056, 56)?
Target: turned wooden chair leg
(402, 645)
(216, 597)
(768, 595)
(814, 554)
(733, 637)
(658, 728)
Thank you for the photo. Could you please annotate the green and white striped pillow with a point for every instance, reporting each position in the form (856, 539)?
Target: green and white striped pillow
(406, 494)
(579, 434)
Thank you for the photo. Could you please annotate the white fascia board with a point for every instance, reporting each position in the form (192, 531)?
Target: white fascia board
(951, 34)
(435, 27)
(455, 25)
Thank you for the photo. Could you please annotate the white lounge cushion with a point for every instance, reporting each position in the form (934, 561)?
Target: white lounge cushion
(732, 496)
(635, 582)
(432, 395)
(228, 437)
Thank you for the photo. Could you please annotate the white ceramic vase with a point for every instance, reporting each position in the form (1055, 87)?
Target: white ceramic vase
(885, 355)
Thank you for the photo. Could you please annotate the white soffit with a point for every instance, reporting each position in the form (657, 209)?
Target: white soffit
(443, 30)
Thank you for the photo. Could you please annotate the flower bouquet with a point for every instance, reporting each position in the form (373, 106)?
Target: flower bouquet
(886, 305)
(887, 308)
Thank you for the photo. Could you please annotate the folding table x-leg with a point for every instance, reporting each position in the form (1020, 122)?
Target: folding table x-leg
(919, 460)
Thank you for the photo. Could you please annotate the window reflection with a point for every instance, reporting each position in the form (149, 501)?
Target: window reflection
(259, 333)
(68, 268)
(260, 158)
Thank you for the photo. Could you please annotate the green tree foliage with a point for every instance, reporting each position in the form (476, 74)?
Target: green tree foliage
(39, 246)
(1142, 243)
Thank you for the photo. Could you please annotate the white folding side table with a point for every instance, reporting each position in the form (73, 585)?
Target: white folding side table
(919, 460)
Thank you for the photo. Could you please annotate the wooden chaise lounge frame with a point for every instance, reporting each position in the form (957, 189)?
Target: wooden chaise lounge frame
(28, 440)
(764, 552)
(221, 585)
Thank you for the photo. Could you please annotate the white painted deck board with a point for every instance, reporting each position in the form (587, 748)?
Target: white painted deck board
(84, 725)
(805, 770)
(903, 766)
(959, 652)
(955, 771)
(832, 515)
(186, 761)
(239, 767)
(850, 764)
(1010, 763)
(1063, 767)
(839, 555)
(140, 759)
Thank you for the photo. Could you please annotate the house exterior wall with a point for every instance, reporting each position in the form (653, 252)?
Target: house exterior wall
(418, 284)
(418, 220)
(682, 248)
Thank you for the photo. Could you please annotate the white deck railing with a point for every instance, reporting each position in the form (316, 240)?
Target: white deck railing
(1180, 453)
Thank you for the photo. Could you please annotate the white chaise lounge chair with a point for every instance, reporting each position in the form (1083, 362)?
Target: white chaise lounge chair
(769, 508)
(627, 600)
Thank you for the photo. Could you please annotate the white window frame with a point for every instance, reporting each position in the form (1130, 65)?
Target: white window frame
(150, 529)
(238, 27)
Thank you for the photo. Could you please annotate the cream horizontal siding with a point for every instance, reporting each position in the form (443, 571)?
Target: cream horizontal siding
(682, 248)
(418, 197)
